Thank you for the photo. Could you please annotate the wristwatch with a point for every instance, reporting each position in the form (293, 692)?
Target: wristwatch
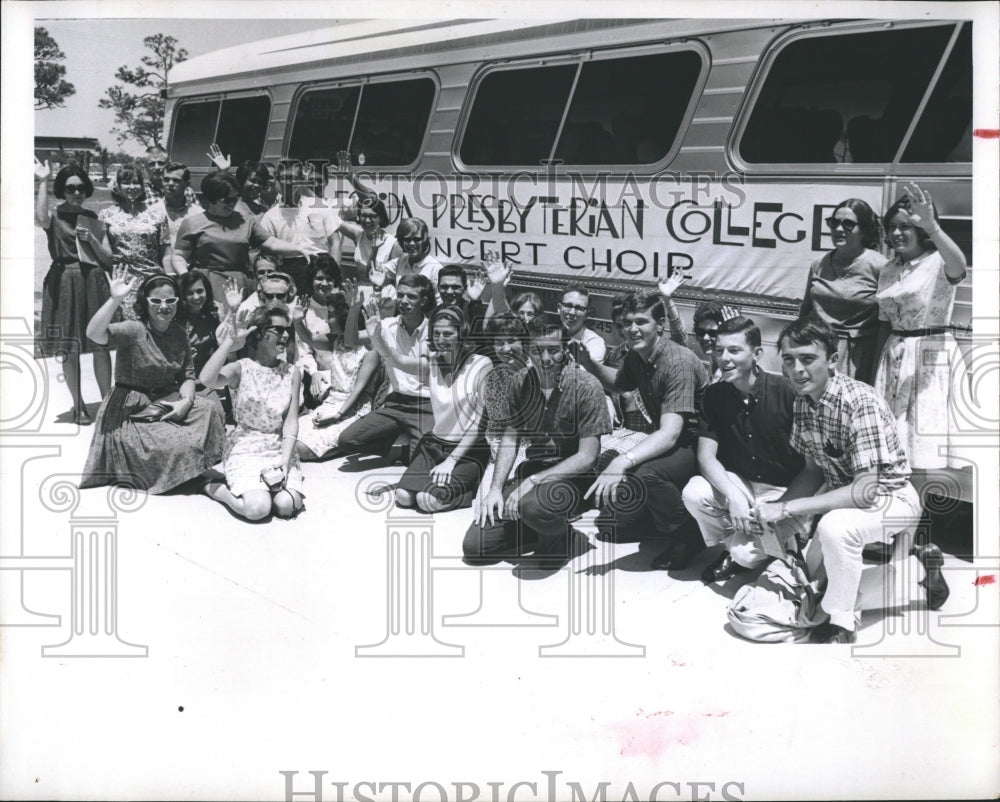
(630, 457)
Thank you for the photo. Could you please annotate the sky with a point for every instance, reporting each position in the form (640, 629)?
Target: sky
(95, 49)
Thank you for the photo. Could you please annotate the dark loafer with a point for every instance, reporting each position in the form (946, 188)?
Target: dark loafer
(831, 633)
(723, 568)
(932, 559)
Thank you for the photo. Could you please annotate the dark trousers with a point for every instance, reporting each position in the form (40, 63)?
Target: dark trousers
(377, 431)
(543, 524)
(648, 503)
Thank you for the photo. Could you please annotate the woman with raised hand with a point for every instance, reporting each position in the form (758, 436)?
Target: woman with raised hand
(152, 431)
(261, 468)
(134, 229)
(920, 368)
(448, 462)
(74, 288)
(841, 287)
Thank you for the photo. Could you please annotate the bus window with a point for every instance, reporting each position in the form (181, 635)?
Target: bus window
(842, 96)
(194, 129)
(627, 110)
(516, 114)
(323, 122)
(243, 127)
(392, 119)
(944, 133)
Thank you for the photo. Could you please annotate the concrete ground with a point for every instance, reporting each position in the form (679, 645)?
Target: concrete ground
(258, 652)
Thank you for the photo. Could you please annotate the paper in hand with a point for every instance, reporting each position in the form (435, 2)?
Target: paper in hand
(85, 251)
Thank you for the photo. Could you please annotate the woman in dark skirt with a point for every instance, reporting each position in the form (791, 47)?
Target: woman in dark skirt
(73, 290)
(152, 431)
(448, 463)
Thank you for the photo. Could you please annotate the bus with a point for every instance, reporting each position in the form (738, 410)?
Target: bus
(609, 151)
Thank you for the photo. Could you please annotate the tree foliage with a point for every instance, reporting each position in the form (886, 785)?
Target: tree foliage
(139, 115)
(51, 88)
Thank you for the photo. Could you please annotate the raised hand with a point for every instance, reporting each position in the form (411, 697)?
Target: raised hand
(729, 312)
(297, 309)
(476, 286)
(349, 287)
(121, 282)
(921, 211)
(240, 329)
(42, 171)
(371, 310)
(669, 285)
(376, 276)
(497, 270)
(217, 158)
(233, 294)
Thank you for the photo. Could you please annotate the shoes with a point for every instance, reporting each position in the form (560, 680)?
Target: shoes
(676, 558)
(932, 559)
(81, 417)
(831, 633)
(723, 568)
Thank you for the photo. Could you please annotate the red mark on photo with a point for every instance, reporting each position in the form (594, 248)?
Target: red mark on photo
(988, 579)
(987, 133)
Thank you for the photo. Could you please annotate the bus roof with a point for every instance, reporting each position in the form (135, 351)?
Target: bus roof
(357, 41)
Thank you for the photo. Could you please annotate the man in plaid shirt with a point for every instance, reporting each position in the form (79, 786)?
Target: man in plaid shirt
(856, 475)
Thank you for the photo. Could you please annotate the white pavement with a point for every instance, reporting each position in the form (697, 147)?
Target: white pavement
(261, 647)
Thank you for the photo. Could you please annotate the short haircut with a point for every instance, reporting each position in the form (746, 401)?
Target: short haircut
(618, 305)
(423, 286)
(574, 286)
(742, 325)
(541, 327)
(155, 149)
(868, 222)
(173, 167)
(72, 170)
(262, 317)
(645, 301)
(216, 186)
(281, 277)
(904, 204)
(528, 298)
(454, 270)
(128, 173)
(507, 325)
(266, 257)
(809, 330)
(375, 205)
(710, 310)
(141, 305)
(251, 169)
(186, 282)
(414, 227)
(327, 265)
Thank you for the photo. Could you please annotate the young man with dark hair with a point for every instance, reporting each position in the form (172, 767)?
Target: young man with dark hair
(560, 410)
(856, 475)
(401, 342)
(670, 381)
(178, 202)
(743, 452)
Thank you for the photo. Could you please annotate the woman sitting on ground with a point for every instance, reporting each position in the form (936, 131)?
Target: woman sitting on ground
(152, 431)
(260, 464)
(448, 462)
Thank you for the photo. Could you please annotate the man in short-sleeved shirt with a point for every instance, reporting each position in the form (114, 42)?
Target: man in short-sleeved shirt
(574, 312)
(856, 475)
(560, 411)
(670, 381)
(743, 452)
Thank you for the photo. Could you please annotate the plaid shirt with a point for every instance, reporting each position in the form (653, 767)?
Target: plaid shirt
(850, 431)
(156, 193)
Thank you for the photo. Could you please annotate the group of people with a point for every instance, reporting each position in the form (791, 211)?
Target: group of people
(230, 311)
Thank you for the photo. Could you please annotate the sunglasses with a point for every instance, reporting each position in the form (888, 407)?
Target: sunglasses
(275, 296)
(158, 302)
(281, 333)
(75, 188)
(713, 333)
(848, 225)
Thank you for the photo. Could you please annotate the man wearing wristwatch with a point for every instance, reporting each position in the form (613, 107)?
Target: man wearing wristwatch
(743, 452)
(560, 410)
(640, 491)
(856, 476)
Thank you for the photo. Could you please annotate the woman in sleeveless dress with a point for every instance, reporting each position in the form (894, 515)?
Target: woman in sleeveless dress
(261, 468)
(73, 290)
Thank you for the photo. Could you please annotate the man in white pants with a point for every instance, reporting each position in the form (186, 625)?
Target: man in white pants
(856, 475)
(743, 452)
